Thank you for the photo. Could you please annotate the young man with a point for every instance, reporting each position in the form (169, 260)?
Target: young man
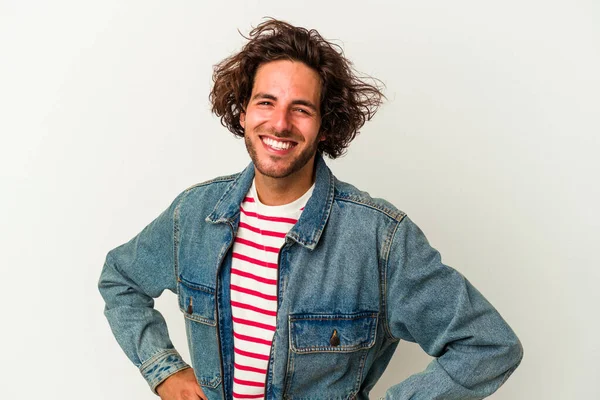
(294, 284)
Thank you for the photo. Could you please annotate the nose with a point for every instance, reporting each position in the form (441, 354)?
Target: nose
(280, 120)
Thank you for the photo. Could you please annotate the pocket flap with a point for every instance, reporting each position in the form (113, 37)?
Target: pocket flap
(311, 333)
(197, 302)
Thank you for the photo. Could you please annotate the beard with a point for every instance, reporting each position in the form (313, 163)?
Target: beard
(275, 166)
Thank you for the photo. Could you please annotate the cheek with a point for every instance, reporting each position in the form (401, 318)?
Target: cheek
(315, 131)
(255, 119)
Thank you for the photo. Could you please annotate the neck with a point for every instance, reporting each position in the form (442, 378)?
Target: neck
(279, 191)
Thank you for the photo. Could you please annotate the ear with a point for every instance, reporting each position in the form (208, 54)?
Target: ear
(243, 119)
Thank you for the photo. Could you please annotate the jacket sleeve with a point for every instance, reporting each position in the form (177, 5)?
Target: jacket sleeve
(435, 306)
(133, 275)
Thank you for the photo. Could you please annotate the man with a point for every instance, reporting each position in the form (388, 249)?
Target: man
(292, 283)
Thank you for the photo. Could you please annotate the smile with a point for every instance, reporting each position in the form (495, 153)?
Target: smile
(277, 144)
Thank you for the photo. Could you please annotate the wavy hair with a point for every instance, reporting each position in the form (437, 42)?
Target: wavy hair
(347, 100)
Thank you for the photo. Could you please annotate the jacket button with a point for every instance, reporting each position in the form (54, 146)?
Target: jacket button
(335, 339)
(190, 308)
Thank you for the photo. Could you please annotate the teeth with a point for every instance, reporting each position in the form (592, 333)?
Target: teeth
(276, 144)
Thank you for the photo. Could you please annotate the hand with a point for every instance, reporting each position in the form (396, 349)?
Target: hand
(182, 385)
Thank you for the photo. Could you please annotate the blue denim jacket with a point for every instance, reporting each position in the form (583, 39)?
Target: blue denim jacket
(352, 264)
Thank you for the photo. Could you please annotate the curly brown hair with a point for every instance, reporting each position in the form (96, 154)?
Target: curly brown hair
(347, 100)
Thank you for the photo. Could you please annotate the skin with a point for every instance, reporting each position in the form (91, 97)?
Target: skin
(284, 105)
(182, 385)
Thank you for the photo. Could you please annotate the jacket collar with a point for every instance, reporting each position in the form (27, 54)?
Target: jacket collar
(309, 227)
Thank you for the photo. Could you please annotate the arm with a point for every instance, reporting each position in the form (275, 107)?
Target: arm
(435, 306)
(133, 275)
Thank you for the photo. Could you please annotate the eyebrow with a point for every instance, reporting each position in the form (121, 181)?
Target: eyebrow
(306, 103)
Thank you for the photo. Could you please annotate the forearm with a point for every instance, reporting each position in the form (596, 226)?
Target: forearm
(435, 306)
(140, 330)
(133, 275)
(436, 383)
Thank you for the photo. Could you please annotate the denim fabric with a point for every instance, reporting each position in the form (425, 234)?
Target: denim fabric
(356, 275)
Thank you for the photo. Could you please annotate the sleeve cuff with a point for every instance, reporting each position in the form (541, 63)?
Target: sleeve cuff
(160, 366)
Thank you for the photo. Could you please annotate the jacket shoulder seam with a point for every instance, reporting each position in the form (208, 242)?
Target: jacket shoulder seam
(384, 276)
(395, 214)
(225, 178)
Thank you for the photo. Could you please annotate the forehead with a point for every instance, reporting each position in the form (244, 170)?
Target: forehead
(285, 78)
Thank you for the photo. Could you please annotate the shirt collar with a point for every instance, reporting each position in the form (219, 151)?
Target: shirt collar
(307, 231)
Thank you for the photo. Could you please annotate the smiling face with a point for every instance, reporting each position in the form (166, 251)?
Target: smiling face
(282, 120)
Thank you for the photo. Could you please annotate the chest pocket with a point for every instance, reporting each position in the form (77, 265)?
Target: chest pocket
(197, 302)
(327, 354)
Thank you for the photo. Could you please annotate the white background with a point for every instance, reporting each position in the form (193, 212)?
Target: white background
(488, 140)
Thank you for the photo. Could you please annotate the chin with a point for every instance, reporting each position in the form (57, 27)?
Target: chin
(274, 172)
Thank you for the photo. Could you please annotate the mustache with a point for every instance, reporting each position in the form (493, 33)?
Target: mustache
(285, 134)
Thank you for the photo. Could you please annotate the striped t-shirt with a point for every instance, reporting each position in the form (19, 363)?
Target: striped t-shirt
(254, 275)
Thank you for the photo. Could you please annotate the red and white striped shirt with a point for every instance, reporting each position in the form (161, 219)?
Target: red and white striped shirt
(254, 277)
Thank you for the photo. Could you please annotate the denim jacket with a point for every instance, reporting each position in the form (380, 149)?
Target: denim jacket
(356, 276)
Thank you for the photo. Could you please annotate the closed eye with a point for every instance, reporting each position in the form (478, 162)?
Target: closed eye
(302, 111)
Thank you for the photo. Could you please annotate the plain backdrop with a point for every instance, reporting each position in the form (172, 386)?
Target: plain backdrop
(488, 141)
